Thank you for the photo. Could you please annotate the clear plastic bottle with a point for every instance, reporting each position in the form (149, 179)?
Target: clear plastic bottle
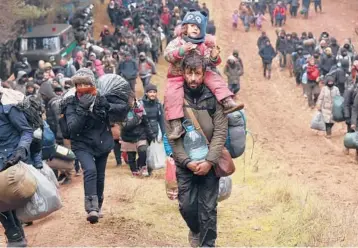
(194, 143)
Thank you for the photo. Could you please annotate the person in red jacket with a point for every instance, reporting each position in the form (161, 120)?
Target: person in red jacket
(313, 76)
(279, 13)
(165, 20)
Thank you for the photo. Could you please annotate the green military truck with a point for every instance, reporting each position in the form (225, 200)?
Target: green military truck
(49, 42)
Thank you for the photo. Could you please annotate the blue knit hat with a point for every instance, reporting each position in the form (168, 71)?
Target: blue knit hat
(198, 18)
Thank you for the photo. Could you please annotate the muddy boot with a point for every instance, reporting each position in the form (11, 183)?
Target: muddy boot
(91, 207)
(15, 239)
(100, 203)
(231, 106)
(269, 75)
(176, 131)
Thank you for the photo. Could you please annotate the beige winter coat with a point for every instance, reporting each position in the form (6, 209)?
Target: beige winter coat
(325, 102)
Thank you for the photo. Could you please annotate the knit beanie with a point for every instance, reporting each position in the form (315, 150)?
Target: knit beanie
(150, 87)
(84, 76)
(198, 18)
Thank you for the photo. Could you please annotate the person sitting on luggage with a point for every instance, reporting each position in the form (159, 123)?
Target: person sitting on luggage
(15, 139)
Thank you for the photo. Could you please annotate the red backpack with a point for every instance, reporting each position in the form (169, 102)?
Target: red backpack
(313, 73)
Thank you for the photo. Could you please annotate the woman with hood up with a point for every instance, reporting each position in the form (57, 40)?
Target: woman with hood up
(325, 103)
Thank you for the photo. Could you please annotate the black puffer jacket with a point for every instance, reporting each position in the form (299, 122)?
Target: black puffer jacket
(136, 128)
(89, 131)
(155, 115)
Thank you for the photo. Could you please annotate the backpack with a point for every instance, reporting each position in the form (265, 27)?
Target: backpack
(313, 75)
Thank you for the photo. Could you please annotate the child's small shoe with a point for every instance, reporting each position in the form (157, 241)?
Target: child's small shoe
(176, 130)
(231, 106)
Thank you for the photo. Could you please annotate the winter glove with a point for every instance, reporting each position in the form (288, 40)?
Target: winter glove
(86, 101)
(18, 155)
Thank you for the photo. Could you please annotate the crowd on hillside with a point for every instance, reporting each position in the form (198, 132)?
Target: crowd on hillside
(89, 105)
(252, 13)
(324, 67)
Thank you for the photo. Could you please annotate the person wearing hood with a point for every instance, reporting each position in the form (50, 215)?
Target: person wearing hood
(279, 14)
(267, 54)
(21, 81)
(312, 88)
(87, 125)
(344, 57)
(30, 89)
(327, 61)
(146, 69)
(79, 61)
(281, 47)
(136, 133)
(156, 43)
(16, 136)
(69, 69)
(325, 103)
(111, 10)
(233, 71)
(107, 39)
(128, 69)
(290, 50)
(22, 65)
(350, 110)
(340, 75)
(52, 110)
(165, 19)
(334, 46)
(235, 53)
(349, 48)
(261, 42)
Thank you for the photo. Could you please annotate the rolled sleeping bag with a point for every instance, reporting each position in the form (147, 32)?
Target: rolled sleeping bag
(236, 140)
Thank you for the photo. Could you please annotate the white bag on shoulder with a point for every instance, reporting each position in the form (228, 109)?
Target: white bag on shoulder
(45, 201)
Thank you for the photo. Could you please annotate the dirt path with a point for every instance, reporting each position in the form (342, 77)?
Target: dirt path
(137, 212)
(279, 114)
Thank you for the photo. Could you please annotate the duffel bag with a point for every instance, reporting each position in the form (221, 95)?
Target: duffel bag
(338, 109)
(45, 201)
(17, 186)
(351, 140)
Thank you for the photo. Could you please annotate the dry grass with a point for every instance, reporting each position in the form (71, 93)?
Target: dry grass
(265, 209)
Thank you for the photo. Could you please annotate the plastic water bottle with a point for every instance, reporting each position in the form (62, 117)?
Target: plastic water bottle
(194, 143)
